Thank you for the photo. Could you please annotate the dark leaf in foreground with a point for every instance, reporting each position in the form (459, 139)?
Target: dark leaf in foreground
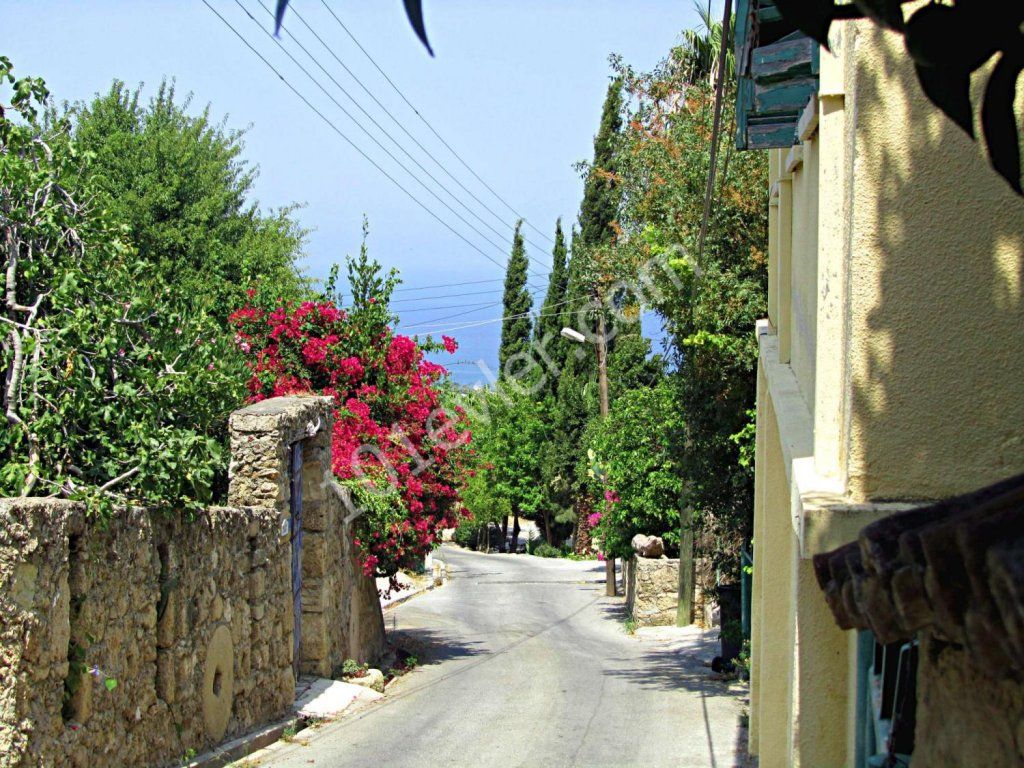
(998, 122)
(950, 90)
(888, 13)
(414, 10)
(279, 15)
(813, 19)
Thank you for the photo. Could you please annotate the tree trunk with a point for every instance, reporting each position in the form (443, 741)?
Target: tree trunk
(504, 533)
(515, 533)
(547, 528)
(582, 527)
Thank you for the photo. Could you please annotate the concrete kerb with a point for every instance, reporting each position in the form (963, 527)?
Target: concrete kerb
(419, 589)
(264, 740)
(247, 745)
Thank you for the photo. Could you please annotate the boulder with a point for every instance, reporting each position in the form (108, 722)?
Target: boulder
(373, 679)
(648, 546)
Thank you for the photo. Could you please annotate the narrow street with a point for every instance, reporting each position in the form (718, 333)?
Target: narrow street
(525, 662)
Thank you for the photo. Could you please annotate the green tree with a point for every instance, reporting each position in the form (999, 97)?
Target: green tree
(509, 425)
(180, 183)
(576, 399)
(549, 322)
(629, 456)
(601, 192)
(118, 384)
(709, 300)
(516, 303)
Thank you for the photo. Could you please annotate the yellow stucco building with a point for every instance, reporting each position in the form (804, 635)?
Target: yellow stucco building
(891, 366)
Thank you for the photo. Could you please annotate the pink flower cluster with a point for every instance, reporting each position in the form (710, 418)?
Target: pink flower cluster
(388, 423)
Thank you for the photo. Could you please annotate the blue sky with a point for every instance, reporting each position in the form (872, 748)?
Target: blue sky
(516, 89)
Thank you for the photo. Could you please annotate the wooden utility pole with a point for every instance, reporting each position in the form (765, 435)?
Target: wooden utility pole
(602, 387)
(684, 613)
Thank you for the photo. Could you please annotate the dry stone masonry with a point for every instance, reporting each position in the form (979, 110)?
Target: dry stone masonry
(652, 590)
(134, 640)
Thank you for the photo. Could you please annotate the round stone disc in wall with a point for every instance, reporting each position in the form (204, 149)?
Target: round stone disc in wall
(218, 683)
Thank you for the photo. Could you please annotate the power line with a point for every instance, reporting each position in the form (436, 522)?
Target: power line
(457, 314)
(491, 320)
(451, 285)
(431, 128)
(355, 146)
(394, 119)
(379, 127)
(456, 296)
(349, 141)
(369, 135)
(479, 305)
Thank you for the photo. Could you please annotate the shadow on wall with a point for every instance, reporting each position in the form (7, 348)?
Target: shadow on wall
(938, 364)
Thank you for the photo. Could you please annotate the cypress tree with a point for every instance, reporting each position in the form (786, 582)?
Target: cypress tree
(601, 193)
(517, 303)
(575, 397)
(549, 323)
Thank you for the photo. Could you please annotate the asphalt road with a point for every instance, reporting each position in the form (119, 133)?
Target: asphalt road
(525, 662)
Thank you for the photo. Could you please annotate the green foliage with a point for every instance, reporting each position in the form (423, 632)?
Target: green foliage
(601, 192)
(508, 427)
(180, 184)
(546, 550)
(516, 304)
(352, 668)
(118, 240)
(633, 447)
(709, 308)
(546, 334)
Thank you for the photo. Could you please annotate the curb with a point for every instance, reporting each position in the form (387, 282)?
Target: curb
(249, 743)
(429, 586)
(245, 745)
(408, 597)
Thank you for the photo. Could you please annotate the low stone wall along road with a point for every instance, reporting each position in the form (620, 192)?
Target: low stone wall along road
(525, 662)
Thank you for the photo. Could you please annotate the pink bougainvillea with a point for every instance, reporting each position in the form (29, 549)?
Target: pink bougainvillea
(389, 427)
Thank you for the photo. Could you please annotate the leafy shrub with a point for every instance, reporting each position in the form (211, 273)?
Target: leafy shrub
(546, 550)
(630, 463)
(119, 379)
(352, 668)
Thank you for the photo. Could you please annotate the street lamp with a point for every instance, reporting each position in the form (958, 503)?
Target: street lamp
(602, 385)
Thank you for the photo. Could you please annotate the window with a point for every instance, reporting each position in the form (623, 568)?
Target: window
(886, 702)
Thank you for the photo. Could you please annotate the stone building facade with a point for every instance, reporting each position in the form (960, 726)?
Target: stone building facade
(139, 638)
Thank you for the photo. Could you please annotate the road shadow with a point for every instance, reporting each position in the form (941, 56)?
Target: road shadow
(431, 646)
(671, 669)
(615, 612)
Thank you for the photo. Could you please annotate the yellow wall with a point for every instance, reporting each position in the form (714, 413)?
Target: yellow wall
(804, 283)
(892, 370)
(936, 306)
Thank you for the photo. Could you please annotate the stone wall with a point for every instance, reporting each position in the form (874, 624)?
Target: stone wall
(652, 590)
(170, 634)
(341, 615)
(134, 639)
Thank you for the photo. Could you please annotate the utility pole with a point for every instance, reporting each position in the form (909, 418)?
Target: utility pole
(601, 345)
(602, 388)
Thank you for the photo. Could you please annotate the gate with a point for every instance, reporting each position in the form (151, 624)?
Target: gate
(295, 525)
